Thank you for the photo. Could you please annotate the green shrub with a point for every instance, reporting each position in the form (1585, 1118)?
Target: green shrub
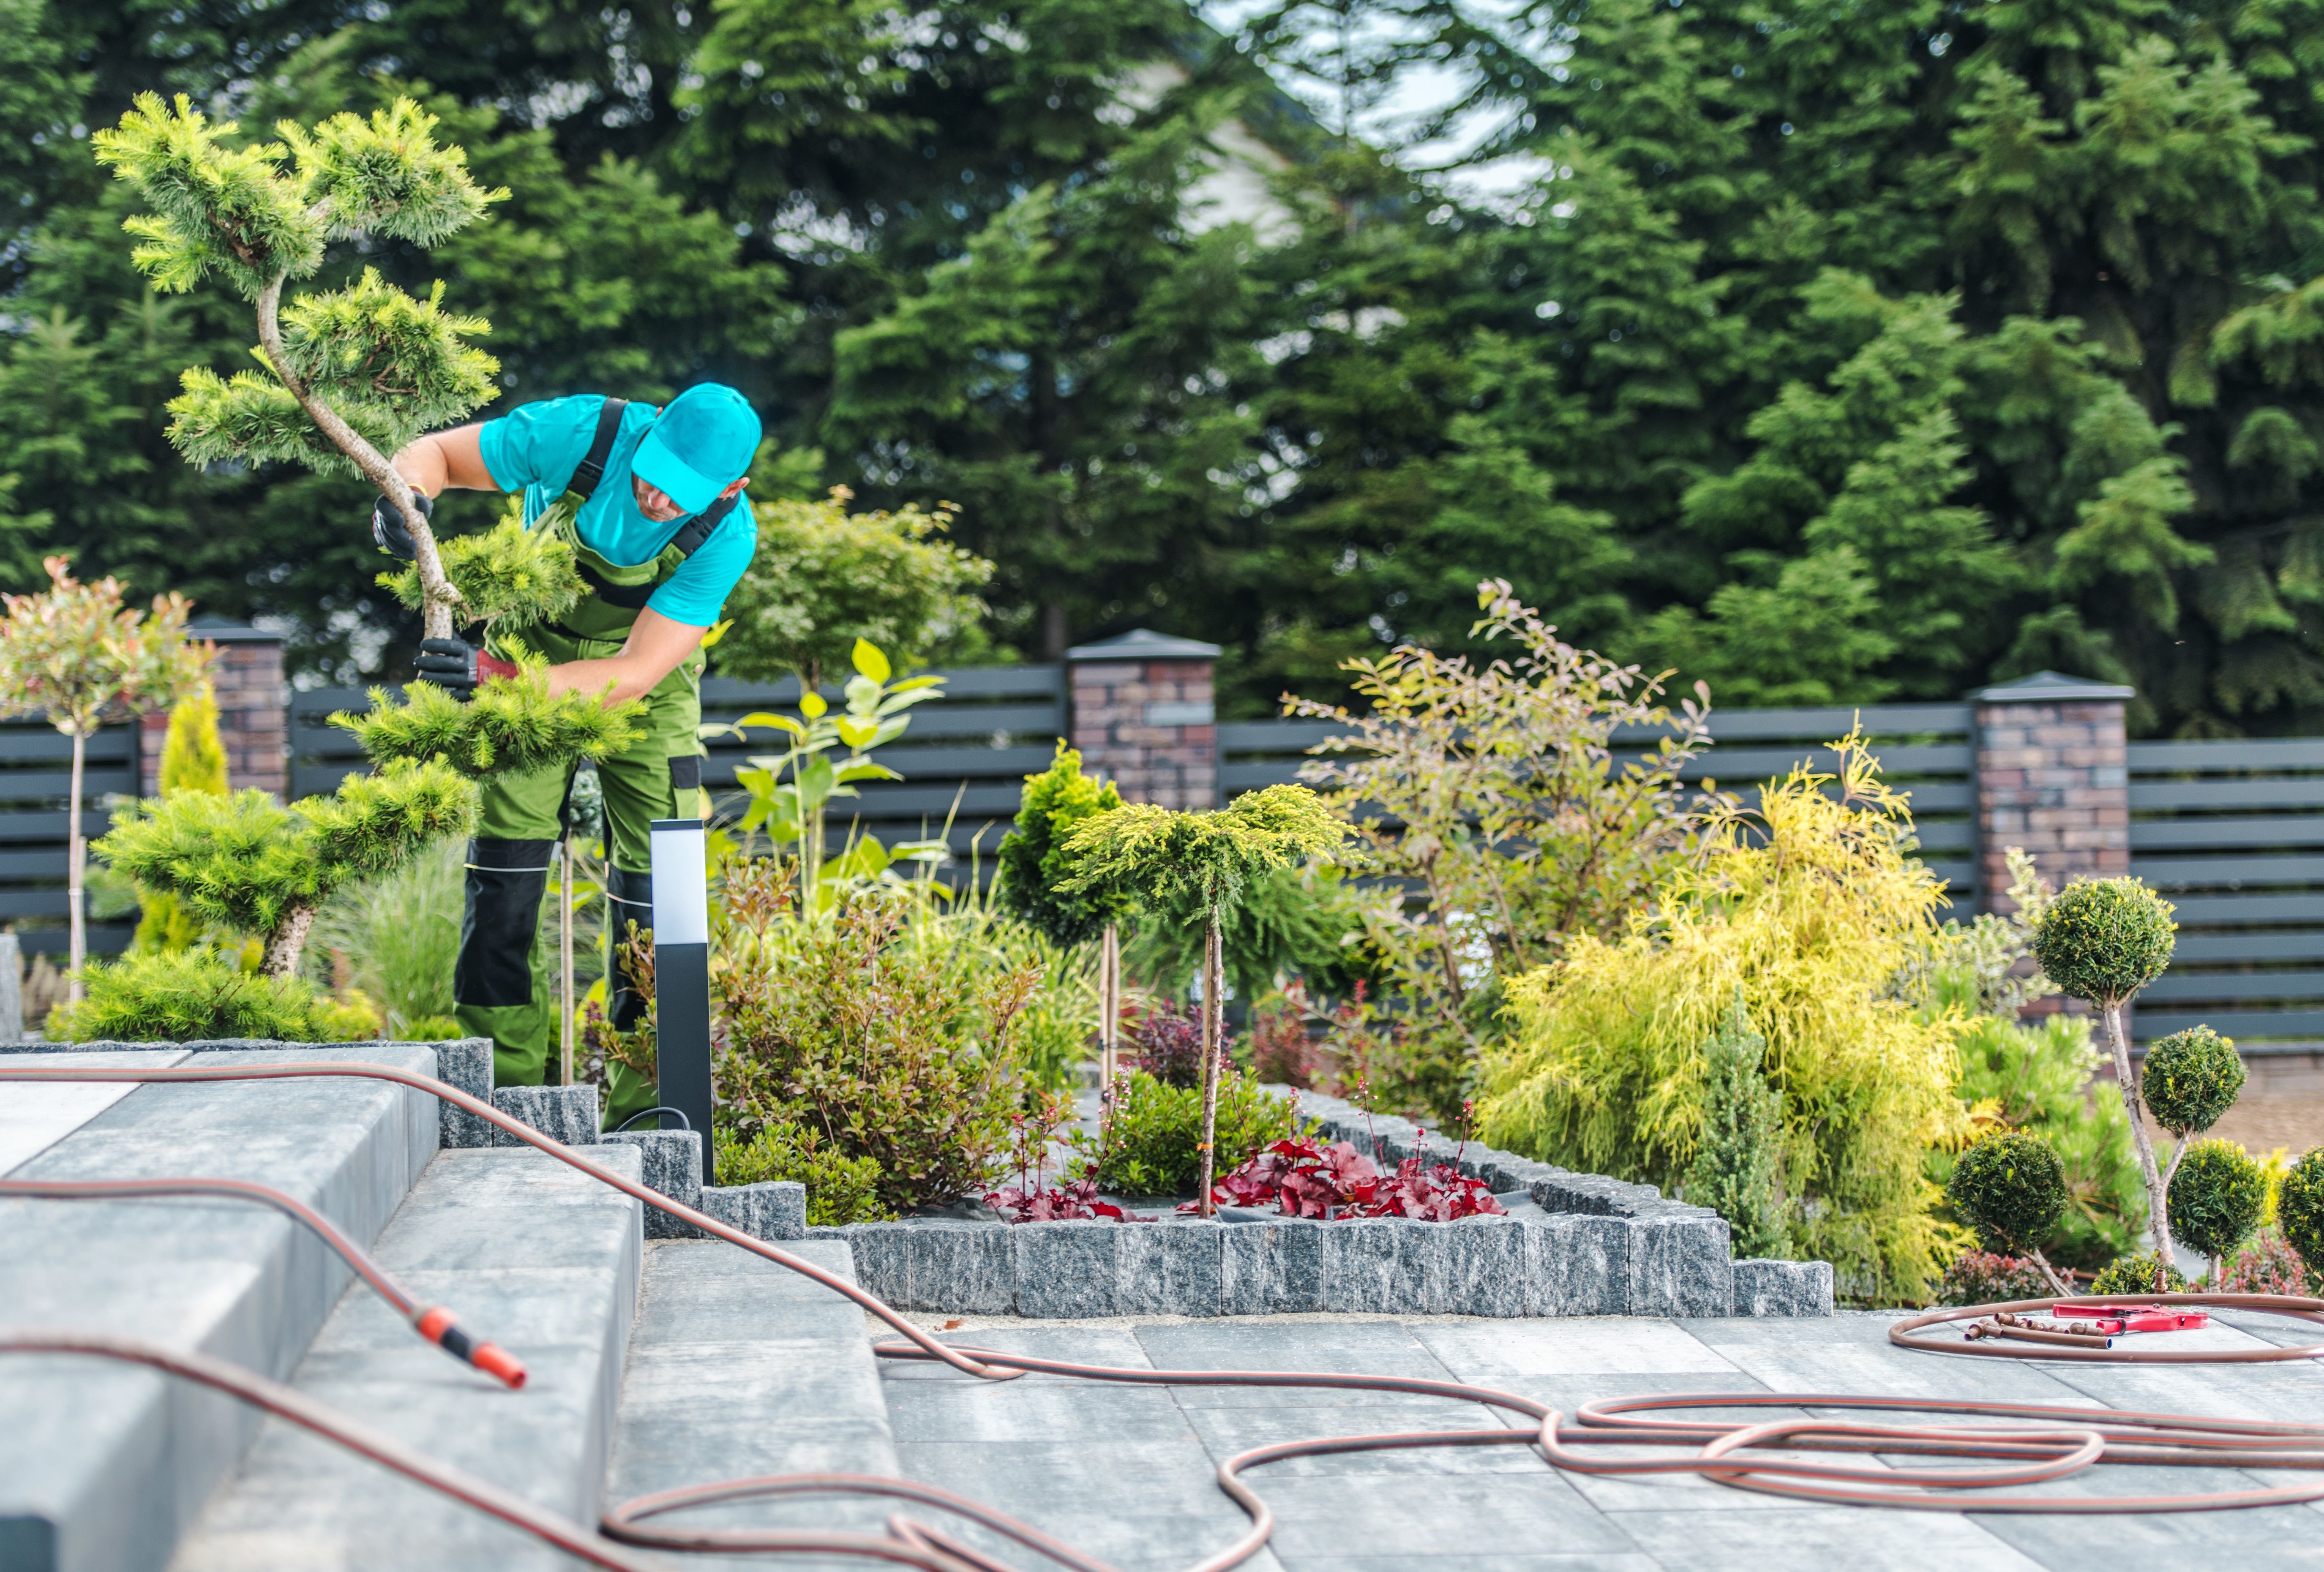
(2012, 1189)
(1150, 1144)
(1734, 1169)
(1980, 1277)
(400, 934)
(429, 1029)
(2300, 1207)
(2134, 1274)
(2103, 939)
(839, 1190)
(2218, 1192)
(2190, 1079)
(1033, 859)
(191, 996)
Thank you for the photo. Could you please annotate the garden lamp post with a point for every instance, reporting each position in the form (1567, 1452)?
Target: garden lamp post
(681, 933)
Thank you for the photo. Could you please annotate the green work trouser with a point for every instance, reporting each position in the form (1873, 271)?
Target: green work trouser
(506, 983)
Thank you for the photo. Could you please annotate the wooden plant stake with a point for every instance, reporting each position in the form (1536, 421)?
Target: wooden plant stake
(565, 957)
(1213, 1011)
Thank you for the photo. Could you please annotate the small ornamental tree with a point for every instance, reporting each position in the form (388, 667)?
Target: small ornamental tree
(2300, 1210)
(2012, 1189)
(2190, 1078)
(2102, 941)
(1033, 867)
(1735, 1157)
(1177, 862)
(79, 657)
(2218, 1192)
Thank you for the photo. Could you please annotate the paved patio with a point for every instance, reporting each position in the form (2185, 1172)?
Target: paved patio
(1126, 1473)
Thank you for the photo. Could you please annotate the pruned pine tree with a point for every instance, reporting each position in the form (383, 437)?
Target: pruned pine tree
(79, 657)
(1173, 861)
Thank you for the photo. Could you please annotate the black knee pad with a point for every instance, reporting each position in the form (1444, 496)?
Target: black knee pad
(629, 899)
(506, 881)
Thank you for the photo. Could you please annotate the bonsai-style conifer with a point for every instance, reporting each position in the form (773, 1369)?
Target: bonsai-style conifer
(1734, 1168)
(2102, 941)
(2190, 1078)
(2217, 1195)
(2012, 1189)
(79, 657)
(1177, 861)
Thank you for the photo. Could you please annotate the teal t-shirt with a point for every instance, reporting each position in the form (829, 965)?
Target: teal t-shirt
(536, 448)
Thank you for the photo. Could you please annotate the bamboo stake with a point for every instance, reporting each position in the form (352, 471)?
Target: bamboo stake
(565, 957)
(1213, 983)
(1109, 1011)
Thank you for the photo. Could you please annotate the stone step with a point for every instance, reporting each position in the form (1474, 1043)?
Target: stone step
(531, 1255)
(102, 1466)
(738, 1367)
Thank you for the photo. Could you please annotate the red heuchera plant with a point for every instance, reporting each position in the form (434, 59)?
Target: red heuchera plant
(1076, 1199)
(2269, 1264)
(1305, 1179)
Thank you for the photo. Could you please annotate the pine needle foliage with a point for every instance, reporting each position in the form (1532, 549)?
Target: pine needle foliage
(513, 723)
(1034, 860)
(1734, 1168)
(1198, 862)
(510, 577)
(195, 995)
(373, 824)
(1807, 906)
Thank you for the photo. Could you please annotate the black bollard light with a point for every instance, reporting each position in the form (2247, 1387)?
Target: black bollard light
(681, 925)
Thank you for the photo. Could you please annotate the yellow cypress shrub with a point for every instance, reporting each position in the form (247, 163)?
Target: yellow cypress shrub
(193, 756)
(1810, 906)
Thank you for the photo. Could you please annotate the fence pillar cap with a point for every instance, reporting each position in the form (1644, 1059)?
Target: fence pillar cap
(223, 632)
(1144, 644)
(2050, 687)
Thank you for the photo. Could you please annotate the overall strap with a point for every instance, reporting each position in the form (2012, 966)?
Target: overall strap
(703, 525)
(591, 467)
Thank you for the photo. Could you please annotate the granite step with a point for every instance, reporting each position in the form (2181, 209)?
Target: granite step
(530, 1253)
(737, 1368)
(104, 1466)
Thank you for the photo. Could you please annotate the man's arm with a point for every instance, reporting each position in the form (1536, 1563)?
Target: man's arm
(445, 458)
(655, 647)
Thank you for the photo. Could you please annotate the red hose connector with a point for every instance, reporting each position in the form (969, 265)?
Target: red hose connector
(441, 1327)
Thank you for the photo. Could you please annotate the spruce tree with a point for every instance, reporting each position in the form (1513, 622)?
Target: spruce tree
(1734, 1173)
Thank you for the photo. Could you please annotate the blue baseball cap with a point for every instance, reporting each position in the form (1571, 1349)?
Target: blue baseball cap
(701, 442)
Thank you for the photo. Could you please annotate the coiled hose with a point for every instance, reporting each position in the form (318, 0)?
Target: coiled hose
(2010, 1445)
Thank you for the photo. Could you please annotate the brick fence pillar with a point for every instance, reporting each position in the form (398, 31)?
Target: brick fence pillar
(2053, 777)
(1143, 717)
(254, 711)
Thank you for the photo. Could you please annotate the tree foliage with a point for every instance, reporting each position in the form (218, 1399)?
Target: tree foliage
(1735, 1155)
(1034, 863)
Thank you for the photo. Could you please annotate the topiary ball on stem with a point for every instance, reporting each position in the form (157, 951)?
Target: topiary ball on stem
(2191, 1078)
(2012, 1189)
(2217, 1197)
(2103, 939)
(2300, 1209)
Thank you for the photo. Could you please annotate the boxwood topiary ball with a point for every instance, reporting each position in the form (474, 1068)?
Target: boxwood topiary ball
(2012, 1189)
(2299, 1208)
(2216, 1196)
(2103, 939)
(2134, 1274)
(2191, 1078)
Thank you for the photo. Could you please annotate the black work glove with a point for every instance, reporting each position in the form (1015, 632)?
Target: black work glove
(389, 530)
(457, 667)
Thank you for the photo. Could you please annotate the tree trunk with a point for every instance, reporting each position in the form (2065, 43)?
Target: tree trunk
(76, 864)
(1212, 1010)
(2158, 1200)
(437, 595)
(288, 938)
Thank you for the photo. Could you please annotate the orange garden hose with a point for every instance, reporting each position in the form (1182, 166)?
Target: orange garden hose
(2004, 1445)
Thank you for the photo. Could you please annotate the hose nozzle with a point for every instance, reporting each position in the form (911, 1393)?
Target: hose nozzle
(441, 1327)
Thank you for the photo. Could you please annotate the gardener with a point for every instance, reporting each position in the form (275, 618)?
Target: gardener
(652, 502)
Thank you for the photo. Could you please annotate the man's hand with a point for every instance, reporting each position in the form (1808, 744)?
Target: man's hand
(391, 533)
(458, 667)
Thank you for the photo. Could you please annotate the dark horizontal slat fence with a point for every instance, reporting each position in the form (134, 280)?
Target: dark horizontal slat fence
(1924, 748)
(2229, 832)
(35, 779)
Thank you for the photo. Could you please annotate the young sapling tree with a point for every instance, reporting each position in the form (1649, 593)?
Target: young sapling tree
(79, 655)
(2102, 941)
(1033, 867)
(1734, 1168)
(1195, 863)
(2012, 1189)
(2190, 1078)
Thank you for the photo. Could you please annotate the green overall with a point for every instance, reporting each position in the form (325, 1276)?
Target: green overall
(506, 982)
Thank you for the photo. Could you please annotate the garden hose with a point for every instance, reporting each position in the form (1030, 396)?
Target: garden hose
(434, 1322)
(2006, 1444)
(678, 1113)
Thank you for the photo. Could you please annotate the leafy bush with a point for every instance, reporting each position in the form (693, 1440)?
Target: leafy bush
(1306, 1179)
(1033, 858)
(2103, 939)
(1170, 1044)
(2012, 1189)
(1808, 908)
(2135, 1275)
(889, 1050)
(2217, 1194)
(1076, 1199)
(1982, 1277)
(1734, 1168)
(192, 994)
(2300, 1205)
(2269, 1264)
(2190, 1079)
(839, 1190)
(1148, 1146)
